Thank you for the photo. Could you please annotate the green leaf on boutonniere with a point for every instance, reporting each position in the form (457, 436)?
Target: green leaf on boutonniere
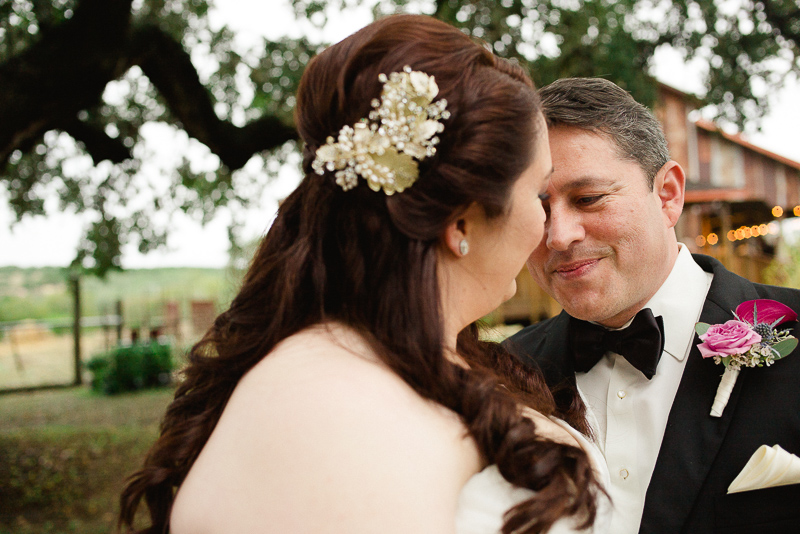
(785, 347)
(726, 360)
(701, 328)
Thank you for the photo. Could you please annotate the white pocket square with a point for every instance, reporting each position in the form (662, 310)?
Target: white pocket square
(768, 467)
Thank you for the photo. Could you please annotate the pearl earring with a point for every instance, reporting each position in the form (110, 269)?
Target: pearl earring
(463, 247)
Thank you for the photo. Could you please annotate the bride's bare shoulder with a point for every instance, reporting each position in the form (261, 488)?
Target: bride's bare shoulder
(332, 370)
(325, 363)
(322, 407)
(314, 352)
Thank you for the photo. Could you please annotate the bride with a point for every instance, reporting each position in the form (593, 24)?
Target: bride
(345, 389)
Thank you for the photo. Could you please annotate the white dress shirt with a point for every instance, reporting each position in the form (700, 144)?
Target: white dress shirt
(629, 411)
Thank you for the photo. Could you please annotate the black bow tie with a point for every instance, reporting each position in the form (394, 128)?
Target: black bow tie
(641, 343)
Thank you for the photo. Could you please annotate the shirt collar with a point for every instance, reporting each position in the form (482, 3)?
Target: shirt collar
(679, 302)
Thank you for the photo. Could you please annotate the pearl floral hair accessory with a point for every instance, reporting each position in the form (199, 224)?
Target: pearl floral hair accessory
(385, 148)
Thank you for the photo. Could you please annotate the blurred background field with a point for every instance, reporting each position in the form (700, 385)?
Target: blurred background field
(36, 344)
(41, 293)
(65, 452)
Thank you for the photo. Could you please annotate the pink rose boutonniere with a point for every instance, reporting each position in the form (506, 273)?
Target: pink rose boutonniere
(750, 340)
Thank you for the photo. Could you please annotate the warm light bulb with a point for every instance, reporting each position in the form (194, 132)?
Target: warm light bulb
(777, 211)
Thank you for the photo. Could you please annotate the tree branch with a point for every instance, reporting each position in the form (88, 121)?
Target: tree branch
(170, 70)
(97, 143)
(61, 74)
(44, 14)
(784, 19)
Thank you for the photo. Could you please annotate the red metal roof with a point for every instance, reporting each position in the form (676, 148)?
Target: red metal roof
(737, 138)
(693, 196)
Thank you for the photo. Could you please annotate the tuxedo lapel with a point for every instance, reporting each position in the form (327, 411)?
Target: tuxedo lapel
(545, 346)
(692, 437)
(556, 367)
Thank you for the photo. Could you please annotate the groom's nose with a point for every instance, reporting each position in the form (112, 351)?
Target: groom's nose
(563, 228)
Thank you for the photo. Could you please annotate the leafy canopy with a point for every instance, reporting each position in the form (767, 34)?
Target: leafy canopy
(81, 81)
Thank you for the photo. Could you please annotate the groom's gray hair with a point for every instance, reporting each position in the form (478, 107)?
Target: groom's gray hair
(601, 106)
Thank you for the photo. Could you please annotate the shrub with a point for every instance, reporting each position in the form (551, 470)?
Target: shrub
(133, 367)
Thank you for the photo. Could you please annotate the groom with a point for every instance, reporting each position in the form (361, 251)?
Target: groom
(609, 252)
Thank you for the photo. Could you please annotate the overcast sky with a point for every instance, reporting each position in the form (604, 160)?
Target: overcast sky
(53, 240)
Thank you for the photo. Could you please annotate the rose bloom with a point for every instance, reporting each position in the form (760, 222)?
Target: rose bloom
(733, 337)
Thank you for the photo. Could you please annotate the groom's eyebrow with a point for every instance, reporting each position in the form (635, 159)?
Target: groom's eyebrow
(586, 181)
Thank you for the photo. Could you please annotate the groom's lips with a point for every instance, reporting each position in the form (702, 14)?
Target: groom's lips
(575, 269)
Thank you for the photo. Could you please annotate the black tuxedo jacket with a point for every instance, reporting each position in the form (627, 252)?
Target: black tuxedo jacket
(701, 455)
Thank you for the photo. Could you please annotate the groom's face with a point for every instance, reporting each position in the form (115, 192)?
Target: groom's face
(606, 243)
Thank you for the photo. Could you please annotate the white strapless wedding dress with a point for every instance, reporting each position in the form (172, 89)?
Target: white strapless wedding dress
(487, 496)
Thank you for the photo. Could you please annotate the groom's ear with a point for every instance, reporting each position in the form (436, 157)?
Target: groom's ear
(670, 184)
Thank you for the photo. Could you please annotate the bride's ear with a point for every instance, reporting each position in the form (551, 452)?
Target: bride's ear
(454, 234)
(458, 233)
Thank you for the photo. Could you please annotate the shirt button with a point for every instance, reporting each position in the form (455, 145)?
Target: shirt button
(621, 394)
(623, 473)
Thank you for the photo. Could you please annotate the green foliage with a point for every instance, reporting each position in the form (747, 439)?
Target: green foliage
(131, 368)
(21, 22)
(120, 197)
(785, 268)
(33, 294)
(277, 76)
(749, 48)
(784, 347)
(58, 307)
(29, 279)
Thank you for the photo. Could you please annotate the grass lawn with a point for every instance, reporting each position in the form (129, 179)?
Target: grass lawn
(64, 456)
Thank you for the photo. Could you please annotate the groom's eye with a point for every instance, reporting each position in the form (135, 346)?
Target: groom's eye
(588, 200)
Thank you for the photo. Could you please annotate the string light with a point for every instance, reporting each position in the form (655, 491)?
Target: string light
(741, 233)
(746, 232)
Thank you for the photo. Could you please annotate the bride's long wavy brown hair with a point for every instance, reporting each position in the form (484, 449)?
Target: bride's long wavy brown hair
(369, 260)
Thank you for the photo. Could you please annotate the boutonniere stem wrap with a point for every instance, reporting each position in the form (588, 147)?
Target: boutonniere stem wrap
(751, 340)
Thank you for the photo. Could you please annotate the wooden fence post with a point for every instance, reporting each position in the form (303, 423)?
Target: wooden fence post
(119, 324)
(75, 282)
